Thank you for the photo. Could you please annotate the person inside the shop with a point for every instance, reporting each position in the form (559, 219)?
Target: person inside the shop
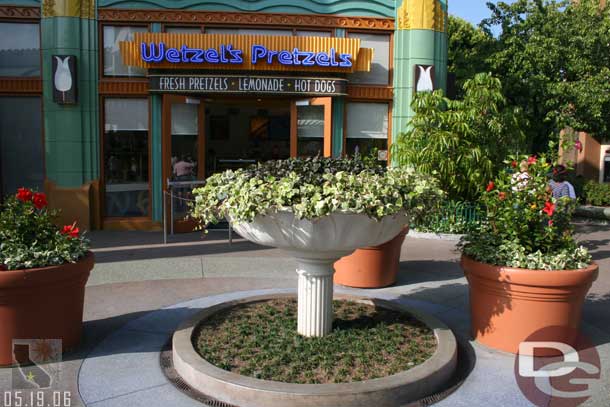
(183, 169)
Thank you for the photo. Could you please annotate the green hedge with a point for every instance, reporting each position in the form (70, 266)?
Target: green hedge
(597, 194)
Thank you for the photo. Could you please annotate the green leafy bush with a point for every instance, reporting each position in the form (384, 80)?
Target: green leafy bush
(597, 194)
(461, 142)
(312, 188)
(525, 226)
(30, 239)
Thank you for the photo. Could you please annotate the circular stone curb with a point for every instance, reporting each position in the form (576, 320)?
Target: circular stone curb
(398, 389)
(451, 237)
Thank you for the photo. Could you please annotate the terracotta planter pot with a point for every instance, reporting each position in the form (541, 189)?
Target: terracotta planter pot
(371, 267)
(507, 305)
(43, 303)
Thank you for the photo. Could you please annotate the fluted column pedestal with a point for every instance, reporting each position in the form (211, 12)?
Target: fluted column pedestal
(315, 296)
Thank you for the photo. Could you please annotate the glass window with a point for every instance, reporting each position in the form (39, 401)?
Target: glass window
(380, 66)
(126, 157)
(19, 49)
(246, 31)
(21, 147)
(313, 33)
(183, 30)
(113, 63)
(184, 153)
(185, 134)
(367, 128)
(310, 130)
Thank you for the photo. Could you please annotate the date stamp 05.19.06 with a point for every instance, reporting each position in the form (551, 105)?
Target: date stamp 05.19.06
(36, 376)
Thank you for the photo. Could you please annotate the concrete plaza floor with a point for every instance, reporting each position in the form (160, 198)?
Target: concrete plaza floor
(137, 280)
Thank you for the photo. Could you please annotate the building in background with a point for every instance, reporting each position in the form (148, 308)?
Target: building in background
(102, 103)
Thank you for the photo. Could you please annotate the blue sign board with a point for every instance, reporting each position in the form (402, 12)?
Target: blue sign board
(226, 54)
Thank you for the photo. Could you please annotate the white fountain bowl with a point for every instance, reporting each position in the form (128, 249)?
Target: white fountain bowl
(332, 236)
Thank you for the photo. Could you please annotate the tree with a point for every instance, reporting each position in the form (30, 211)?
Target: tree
(469, 50)
(553, 58)
(463, 142)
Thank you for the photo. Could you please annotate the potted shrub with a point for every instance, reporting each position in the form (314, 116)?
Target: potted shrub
(374, 266)
(371, 267)
(43, 274)
(318, 210)
(524, 268)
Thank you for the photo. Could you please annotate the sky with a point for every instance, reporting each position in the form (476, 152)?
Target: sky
(471, 10)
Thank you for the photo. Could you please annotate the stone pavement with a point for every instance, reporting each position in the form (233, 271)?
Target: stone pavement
(140, 289)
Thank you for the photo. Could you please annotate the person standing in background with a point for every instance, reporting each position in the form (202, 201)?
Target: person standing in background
(559, 184)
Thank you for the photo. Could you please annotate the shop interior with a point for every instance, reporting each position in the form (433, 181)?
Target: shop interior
(246, 131)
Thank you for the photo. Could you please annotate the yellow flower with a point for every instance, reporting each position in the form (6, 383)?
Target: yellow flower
(533, 206)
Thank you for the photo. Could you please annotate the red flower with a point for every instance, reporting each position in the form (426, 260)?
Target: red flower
(502, 196)
(24, 194)
(39, 200)
(532, 160)
(490, 186)
(550, 222)
(549, 208)
(70, 230)
(578, 146)
(514, 164)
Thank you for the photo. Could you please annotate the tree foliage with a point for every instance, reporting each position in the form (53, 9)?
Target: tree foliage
(463, 142)
(469, 50)
(553, 58)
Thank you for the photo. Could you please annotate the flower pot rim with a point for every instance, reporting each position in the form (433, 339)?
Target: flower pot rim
(403, 232)
(288, 210)
(508, 269)
(512, 276)
(88, 255)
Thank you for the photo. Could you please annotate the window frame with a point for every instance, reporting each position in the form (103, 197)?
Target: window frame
(102, 60)
(27, 21)
(105, 217)
(390, 83)
(42, 136)
(36, 81)
(390, 104)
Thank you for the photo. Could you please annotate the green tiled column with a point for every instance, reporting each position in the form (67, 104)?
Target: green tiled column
(338, 119)
(338, 114)
(416, 43)
(71, 131)
(156, 160)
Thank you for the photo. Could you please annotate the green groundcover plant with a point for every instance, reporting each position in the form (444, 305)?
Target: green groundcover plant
(525, 226)
(30, 239)
(597, 194)
(313, 188)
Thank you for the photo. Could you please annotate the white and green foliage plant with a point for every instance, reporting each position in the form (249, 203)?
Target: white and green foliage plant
(312, 188)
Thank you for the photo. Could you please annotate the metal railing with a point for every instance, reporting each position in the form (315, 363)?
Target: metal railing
(179, 194)
(451, 217)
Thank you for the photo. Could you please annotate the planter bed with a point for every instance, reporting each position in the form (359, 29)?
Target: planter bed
(429, 357)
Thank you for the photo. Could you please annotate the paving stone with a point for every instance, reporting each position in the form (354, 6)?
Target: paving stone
(126, 362)
(142, 270)
(225, 266)
(491, 383)
(164, 395)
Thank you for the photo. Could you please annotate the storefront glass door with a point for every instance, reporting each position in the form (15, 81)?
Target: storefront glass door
(311, 127)
(184, 159)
